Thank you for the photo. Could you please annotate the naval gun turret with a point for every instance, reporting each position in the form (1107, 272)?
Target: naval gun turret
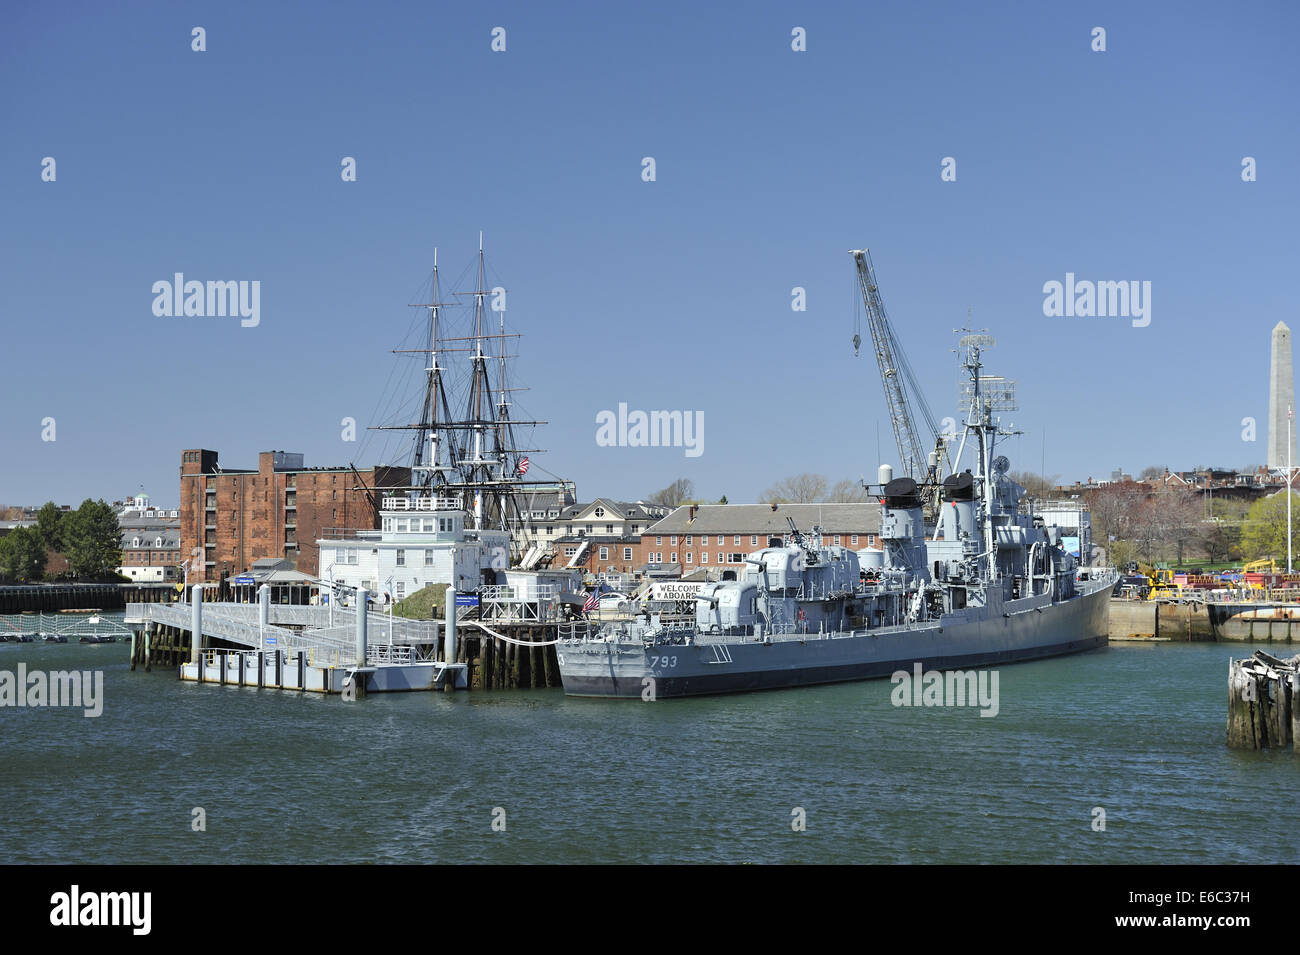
(902, 526)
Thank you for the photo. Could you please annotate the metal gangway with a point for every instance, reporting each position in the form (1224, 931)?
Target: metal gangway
(323, 636)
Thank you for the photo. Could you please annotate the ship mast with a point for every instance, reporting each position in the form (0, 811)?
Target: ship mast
(985, 395)
(473, 458)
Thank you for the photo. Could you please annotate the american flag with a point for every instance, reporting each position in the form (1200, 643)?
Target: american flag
(593, 599)
(523, 466)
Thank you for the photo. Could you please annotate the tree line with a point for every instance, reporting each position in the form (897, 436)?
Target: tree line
(89, 537)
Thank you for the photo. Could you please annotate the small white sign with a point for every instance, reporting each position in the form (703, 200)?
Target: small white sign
(675, 590)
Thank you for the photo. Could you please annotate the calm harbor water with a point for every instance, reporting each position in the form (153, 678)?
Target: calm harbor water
(1136, 730)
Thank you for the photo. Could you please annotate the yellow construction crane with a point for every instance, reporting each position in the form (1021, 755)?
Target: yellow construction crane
(1257, 566)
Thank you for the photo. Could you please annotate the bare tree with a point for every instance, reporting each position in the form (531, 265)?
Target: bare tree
(800, 489)
(1182, 514)
(1040, 486)
(1114, 510)
(1151, 473)
(848, 492)
(679, 492)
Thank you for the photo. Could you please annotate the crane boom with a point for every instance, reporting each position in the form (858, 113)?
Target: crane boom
(896, 376)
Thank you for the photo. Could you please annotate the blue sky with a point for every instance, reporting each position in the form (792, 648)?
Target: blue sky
(672, 294)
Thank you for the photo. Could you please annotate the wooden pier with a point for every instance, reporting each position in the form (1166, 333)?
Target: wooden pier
(496, 664)
(82, 597)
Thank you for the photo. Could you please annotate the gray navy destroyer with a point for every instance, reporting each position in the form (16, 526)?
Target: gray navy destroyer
(990, 584)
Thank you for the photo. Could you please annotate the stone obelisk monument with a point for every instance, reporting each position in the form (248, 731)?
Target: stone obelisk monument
(1281, 396)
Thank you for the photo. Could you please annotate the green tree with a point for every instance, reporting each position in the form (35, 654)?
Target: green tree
(1264, 533)
(49, 524)
(22, 554)
(93, 539)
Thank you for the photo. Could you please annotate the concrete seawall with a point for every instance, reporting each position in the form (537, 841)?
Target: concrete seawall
(1153, 620)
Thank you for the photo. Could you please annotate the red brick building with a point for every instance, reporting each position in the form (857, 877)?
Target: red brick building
(720, 536)
(238, 516)
(716, 536)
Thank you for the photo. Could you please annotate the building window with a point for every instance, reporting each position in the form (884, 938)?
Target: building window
(753, 540)
(604, 553)
(688, 538)
(735, 558)
(736, 542)
(672, 558)
(689, 555)
(871, 540)
(627, 553)
(659, 542)
(428, 558)
(673, 542)
(401, 557)
(704, 557)
(837, 538)
(570, 551)
(401, 589)
(600, 512)
(609, 528)
(854, 540)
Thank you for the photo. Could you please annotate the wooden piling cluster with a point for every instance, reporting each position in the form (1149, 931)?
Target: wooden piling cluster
(1262, 704)
(496, 664)
(156, 643)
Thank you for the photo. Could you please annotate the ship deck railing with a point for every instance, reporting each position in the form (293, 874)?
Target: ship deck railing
(594, 633)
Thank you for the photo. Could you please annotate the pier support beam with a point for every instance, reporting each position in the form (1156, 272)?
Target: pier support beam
(263, 613)
(362, 615)
(196, 628)
(449, 639)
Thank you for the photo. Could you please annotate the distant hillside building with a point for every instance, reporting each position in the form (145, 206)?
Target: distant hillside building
(602, 535)
(151, 542)
(280, 510)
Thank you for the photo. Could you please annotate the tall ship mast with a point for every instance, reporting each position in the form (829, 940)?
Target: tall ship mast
(474, 458)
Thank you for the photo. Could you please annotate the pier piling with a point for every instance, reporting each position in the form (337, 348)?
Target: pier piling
(1262, 711)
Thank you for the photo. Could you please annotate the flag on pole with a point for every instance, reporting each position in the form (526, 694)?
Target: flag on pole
(523, 467)
(593, 600)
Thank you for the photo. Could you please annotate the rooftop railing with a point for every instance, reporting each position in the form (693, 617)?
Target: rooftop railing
(424, 503)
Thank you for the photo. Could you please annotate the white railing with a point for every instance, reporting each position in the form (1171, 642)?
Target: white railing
(385, 654)
(392, 503)
(219, 622)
